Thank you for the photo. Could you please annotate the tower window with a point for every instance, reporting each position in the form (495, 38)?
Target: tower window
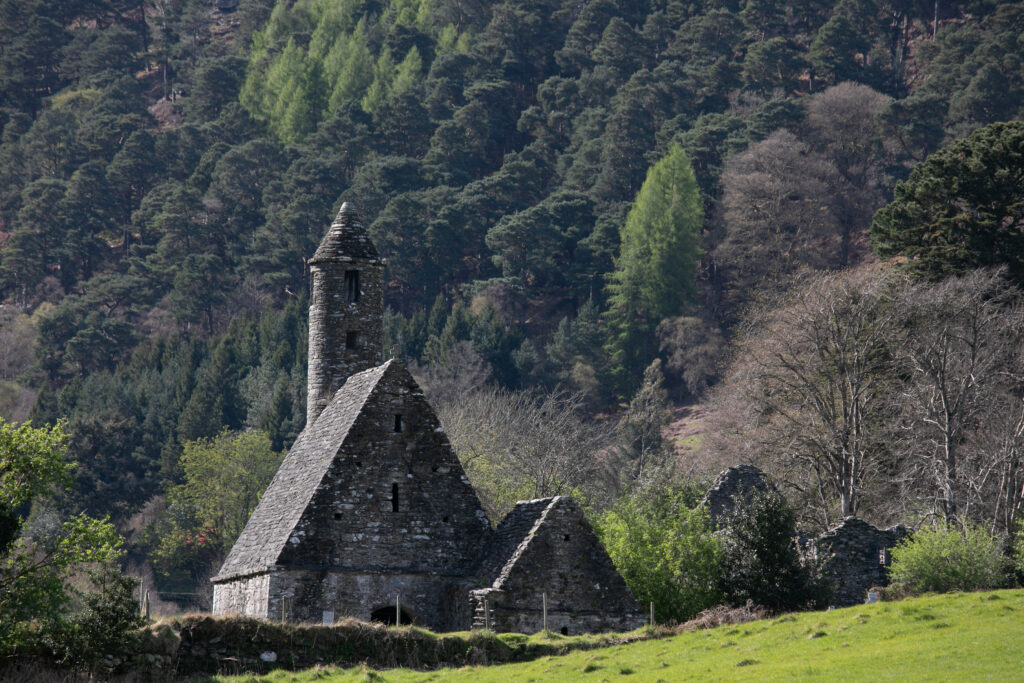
(351, 340)
(352, 286)
(398, 423)
(394, 497)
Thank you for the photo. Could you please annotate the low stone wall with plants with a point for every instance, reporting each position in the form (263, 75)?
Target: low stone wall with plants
(202, 644)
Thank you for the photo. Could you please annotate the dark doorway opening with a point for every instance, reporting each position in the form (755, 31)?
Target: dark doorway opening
(386, 615)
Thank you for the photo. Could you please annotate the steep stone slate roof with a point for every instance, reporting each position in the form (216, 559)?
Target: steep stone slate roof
(347, 240)
(288, 495)
(509, 539)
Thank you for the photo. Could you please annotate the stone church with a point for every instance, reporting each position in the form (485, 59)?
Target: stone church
(371, 515)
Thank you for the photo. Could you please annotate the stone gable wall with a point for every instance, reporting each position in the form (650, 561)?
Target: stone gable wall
(350, 523)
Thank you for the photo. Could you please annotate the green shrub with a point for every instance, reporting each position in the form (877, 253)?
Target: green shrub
(666, 552)
(760, 560)
(947, 559)
(104, 623)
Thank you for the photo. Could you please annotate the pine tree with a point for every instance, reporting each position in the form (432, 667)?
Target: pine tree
(655, 274)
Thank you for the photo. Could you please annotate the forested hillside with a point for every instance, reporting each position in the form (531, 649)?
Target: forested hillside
(167, 167)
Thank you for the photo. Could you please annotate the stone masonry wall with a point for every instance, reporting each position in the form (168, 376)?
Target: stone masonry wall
(856, 557)
(246, 596)
(304, 596)
(732, 486)
(395, 504)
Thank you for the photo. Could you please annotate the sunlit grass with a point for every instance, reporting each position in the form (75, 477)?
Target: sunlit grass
(976, 636)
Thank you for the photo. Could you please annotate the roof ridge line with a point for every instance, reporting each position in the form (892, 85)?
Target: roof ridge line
(524, 544)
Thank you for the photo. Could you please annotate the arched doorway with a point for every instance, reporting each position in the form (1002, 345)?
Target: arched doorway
(386, 615)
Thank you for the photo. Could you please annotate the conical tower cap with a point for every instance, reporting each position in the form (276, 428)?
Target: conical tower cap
(347, 240)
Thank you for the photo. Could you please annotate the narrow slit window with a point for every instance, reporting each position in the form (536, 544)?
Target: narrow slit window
(351, 340)
(352, 286)
(398, 423)
(394, 497)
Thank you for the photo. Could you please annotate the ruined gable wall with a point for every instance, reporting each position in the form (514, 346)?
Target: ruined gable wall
(731, 487)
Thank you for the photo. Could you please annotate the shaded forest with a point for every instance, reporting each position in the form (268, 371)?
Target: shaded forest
(167, 167)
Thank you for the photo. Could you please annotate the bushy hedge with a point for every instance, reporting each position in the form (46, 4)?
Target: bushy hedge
(665, 549)
(945, 559)
(760, 561)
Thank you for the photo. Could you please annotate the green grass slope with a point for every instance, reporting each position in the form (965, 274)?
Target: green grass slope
(962, 637)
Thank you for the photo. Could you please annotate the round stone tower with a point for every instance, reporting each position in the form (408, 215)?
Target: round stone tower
(346, 311)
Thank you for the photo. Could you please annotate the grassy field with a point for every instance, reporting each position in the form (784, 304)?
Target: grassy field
(961, 637)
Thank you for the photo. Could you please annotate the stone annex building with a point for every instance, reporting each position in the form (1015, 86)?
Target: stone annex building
(371, 505)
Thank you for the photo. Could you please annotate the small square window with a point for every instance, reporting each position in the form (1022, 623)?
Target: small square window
(398, 423)
(351, 340)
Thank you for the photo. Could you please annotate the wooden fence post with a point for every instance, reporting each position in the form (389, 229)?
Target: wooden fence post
(544, 604)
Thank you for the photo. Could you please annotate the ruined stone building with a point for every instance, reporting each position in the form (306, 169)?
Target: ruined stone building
(371, 506)
(854, 554)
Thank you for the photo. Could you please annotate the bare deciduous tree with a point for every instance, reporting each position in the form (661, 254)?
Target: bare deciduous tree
(776, 215)
(517, 445)
(959, 344)
(842, 125)
(807, 395)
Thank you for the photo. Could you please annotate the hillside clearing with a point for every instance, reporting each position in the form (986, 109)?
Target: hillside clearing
(975, 636)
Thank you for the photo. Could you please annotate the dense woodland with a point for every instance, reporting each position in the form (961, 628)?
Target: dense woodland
(590, 210)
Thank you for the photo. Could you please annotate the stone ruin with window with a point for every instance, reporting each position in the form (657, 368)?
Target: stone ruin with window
(371, 515)
(854, 554)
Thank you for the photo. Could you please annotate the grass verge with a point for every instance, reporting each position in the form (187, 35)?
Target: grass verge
(976, 636)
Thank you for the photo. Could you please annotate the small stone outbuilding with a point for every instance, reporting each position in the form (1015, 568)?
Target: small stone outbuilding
(371, 507)
(546, 551)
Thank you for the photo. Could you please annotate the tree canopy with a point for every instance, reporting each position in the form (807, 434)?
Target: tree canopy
(962, 208)
(655, 274)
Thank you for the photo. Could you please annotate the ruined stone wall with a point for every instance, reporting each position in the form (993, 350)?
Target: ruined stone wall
(332, 318)
(731, 487)
(855, 556)
(246, 596)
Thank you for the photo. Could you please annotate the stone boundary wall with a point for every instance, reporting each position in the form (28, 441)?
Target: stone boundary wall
(200, 645)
